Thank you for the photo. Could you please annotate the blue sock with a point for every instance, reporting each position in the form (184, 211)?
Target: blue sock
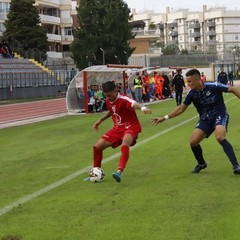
(197, 151)
(228, 149)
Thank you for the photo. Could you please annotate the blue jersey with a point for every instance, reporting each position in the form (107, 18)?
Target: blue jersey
(209, 101)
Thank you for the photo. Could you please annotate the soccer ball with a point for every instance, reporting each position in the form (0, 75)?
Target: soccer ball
(96, 174)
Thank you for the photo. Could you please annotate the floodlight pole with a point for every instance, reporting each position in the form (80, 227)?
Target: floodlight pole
(103, 56)
(234, 61)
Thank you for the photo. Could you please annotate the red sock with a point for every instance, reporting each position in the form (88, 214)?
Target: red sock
(124, 158)
(97, 157)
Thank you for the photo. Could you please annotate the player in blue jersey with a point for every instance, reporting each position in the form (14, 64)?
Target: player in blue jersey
(208, 100)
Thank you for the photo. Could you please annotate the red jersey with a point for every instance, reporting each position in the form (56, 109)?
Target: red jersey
(123, 114)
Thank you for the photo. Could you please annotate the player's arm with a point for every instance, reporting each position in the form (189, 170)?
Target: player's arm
(234, 90)
(179, 110)
(139, 106)
(99, 121)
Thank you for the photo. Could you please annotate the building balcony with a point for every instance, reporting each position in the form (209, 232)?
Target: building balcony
(195, 34)
(54, 37)
(141, 32)
(49, 19)
(172, 25)
(194, 25)
(211, 42)
(211, 33)
(195, 43)
(210, 24)
(67, 38)
(173, 33)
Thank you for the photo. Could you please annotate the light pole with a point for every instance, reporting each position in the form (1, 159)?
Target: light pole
(103, 56)
(234, 61)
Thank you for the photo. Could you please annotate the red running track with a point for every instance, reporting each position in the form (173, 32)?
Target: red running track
(30, 110)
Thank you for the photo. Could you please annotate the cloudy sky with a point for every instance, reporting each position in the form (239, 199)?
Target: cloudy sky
(160, 6)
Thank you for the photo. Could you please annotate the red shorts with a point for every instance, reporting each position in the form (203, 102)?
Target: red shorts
(116, 135)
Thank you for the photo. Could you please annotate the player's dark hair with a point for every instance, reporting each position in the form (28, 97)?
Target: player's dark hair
(108, 86)
(192, 72)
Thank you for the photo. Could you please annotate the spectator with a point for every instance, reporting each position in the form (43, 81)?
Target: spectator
(203, 77)
(91, 99)
(152, 83)
(72, 73)
(146, 87)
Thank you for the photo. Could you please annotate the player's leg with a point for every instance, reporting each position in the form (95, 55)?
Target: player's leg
(98, 148)
(197, 136)
(128, 140)
(220, 134)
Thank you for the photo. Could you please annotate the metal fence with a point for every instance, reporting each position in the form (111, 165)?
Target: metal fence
(152, 60)
(34, 84)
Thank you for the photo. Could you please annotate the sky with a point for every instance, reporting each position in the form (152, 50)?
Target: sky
(160, 6)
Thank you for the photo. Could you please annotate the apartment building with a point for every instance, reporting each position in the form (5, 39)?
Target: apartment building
(4, 9)
(58, 17)
(215, 30)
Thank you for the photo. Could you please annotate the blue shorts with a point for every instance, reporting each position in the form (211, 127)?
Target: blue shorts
(208, 125)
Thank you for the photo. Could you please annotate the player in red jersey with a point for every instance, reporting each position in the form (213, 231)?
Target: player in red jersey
(125, 130)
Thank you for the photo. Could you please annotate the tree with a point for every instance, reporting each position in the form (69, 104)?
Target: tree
(170, 49)
(23, 24)
(103, 34)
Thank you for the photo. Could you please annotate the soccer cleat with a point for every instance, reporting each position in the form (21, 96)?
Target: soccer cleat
(117, 176)
(86, 179)
(236, 169)
(199, 167)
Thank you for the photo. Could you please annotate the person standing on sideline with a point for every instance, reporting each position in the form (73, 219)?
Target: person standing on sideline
(208, 101)
(178, 84)
(230, 78)
(137, 84)
(125, 130)
(166, 85)
(222, 77)
(203, 77)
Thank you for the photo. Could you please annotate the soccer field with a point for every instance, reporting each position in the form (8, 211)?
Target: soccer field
(43, 195)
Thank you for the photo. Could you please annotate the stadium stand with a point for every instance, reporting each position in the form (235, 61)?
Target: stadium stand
(23, 72)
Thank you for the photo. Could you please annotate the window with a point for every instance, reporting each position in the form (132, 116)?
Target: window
(4, 7)
(68, 31)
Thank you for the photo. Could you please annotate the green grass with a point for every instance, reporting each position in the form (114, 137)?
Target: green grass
(158, 197)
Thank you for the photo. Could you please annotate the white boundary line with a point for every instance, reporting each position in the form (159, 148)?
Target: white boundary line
(70, 177)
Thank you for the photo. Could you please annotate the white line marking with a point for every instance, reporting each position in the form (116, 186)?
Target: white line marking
(29, 197)
(48, 188)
